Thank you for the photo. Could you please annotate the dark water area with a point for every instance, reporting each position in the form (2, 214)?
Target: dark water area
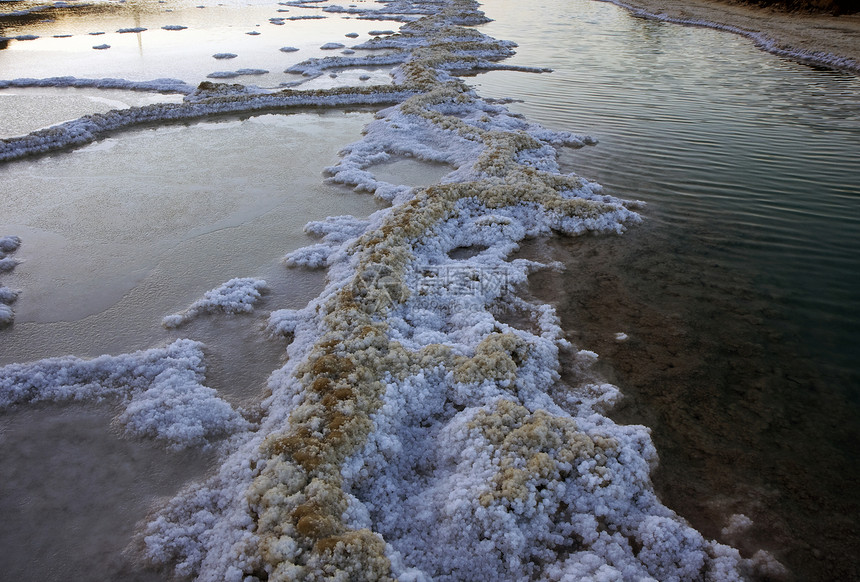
(740, 293)
(73, 492)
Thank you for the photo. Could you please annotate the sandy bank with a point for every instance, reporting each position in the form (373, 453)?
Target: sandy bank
(815, 38)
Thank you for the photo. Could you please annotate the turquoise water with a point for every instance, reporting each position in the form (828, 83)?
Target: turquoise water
(741, 291)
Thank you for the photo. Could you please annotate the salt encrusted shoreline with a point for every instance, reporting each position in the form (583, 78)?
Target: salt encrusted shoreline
(412, 434)
(209, 99)
(817, 39)
(8, 245)
(415, 432)
(161, 391)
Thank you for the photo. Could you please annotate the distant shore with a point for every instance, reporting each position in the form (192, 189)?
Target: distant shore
(814, 38)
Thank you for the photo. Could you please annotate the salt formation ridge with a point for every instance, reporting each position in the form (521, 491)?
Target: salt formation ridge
(8, 245)
(160, 390)
(414, 433)
(235, 296)
(760, 39)
(207, 100)
(157, 85)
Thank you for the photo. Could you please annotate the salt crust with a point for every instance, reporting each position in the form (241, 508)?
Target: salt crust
(235, 296)
(206, 100)
(160, 390)
(7, 264)
(7, 316)
(412, 434)
(237, 73)
(306, 17)
(20, 37)
(157, 85)
(36, 9)
(333, 231)
(8, 245)
(737, 523)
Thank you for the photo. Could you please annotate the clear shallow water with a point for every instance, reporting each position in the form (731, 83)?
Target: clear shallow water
(145, 206)
(752, 153)
(417, 173)
(740, 292)
(72, 493)
(28, 109)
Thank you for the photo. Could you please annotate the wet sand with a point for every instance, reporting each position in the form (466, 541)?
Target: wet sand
(792, 31)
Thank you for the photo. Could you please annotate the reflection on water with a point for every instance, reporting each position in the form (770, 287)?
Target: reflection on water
(178, 210)
(740, 294)
(26, 110)
(66, 40)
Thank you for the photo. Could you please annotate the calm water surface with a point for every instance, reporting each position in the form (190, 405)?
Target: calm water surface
(739, 293)
(245, 29)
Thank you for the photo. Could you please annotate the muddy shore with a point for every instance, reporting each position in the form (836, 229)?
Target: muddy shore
(805, 36)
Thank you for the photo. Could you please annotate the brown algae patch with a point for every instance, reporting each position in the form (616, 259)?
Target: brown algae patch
(536, 448)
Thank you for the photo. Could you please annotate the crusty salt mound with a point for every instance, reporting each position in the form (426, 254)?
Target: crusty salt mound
(8, 245)
(235, 296)
(161, 390)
